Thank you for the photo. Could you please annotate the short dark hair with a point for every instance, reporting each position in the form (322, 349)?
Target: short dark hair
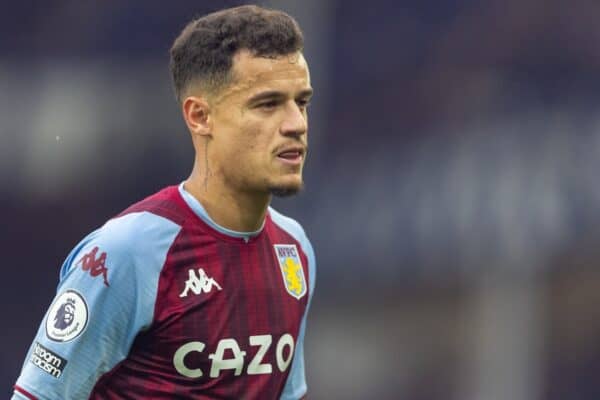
(204, 50)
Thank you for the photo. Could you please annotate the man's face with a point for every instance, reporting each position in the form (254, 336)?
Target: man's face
(259, 124)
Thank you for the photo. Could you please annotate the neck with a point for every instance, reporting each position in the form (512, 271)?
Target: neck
(232, 209)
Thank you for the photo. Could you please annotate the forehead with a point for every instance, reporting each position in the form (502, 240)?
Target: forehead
(252, 74)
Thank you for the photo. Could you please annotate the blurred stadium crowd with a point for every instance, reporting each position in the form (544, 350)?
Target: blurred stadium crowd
(451, 195)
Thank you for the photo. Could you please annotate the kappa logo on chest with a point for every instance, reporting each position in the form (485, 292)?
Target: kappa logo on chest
(199, 283)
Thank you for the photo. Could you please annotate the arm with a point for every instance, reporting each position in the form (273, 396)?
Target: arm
(105, 297)
(295, 387)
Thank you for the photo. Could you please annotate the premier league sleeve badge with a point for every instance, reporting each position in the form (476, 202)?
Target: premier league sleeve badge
(67, 318)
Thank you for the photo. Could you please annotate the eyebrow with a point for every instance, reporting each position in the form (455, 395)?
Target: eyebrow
(274, 94)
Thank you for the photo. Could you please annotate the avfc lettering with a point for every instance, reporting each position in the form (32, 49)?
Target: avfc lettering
(286, 251)
(284, 352)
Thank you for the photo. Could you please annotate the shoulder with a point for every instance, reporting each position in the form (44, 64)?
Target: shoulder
(166, 203)
(124, 245)
(145, 224)
(295, 230)
(136, 231)
(140, 236)
(290, 225)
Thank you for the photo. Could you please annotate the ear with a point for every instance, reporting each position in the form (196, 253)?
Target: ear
(196, 113)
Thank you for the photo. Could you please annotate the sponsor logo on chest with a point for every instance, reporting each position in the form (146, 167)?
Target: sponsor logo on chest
(291, 269)
(229, 354)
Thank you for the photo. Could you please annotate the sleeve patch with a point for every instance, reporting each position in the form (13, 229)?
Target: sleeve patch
(47, 360)
(68, 317)
(94, 264)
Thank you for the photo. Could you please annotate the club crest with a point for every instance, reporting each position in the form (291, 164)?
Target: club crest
(291, 269)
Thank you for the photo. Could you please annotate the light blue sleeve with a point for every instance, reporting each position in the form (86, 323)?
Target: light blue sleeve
(105, 297)
(295, 386)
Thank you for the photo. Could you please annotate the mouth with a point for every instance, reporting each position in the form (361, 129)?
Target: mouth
(291, 155)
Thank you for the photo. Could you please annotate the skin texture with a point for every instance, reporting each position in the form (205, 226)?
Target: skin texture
(239, 133)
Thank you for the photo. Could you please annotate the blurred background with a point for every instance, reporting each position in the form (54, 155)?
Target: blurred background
(451, 190)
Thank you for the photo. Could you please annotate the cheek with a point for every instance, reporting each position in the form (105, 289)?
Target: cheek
(247, 143)
(240, 153)
(255, 140)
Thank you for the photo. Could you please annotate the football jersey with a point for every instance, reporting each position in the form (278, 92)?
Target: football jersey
(163, 303)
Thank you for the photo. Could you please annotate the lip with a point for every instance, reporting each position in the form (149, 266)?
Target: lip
(297, 160)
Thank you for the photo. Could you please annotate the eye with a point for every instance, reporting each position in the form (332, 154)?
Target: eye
(268, 105)
(303, 103)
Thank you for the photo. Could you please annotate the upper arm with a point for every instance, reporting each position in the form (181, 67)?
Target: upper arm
(105, 296)
(295, 387)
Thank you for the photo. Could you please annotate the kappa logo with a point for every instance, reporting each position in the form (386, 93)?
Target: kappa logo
(291, 269)
(95, 266)
(200, 283)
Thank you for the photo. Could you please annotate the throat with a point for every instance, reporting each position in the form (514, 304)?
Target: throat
(238, 213)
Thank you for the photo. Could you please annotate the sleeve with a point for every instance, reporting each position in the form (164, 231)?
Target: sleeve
(295, 387)
(105, 296)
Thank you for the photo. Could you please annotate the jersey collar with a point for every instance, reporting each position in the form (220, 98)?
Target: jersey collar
(199, 210)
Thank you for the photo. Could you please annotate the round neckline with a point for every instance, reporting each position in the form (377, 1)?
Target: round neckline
(200, 212)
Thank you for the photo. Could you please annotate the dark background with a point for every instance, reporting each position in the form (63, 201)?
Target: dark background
(452, 190)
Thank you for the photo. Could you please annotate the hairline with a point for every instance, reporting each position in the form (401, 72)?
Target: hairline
(211, 90)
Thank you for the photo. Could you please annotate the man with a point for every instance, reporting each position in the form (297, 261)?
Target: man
(201, 290)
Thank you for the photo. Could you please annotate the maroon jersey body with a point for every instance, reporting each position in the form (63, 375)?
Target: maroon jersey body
(251, 311)
(211, 314)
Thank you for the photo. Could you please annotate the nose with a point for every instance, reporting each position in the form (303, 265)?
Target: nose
(295, 120)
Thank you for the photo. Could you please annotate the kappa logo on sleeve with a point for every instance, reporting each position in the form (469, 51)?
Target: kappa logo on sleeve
(95, 266)
(67, 318)
(47, 361)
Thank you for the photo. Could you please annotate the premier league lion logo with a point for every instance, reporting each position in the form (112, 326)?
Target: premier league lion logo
(65, 315)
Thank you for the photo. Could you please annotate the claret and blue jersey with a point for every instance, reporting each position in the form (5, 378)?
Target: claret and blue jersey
(162, 303)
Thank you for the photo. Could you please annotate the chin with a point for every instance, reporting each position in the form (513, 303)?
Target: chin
(286, 190)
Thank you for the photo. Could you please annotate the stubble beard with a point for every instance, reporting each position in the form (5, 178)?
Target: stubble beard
(286, 191)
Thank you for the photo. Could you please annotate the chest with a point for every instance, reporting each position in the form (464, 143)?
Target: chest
(226, 324)
(233, 302)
